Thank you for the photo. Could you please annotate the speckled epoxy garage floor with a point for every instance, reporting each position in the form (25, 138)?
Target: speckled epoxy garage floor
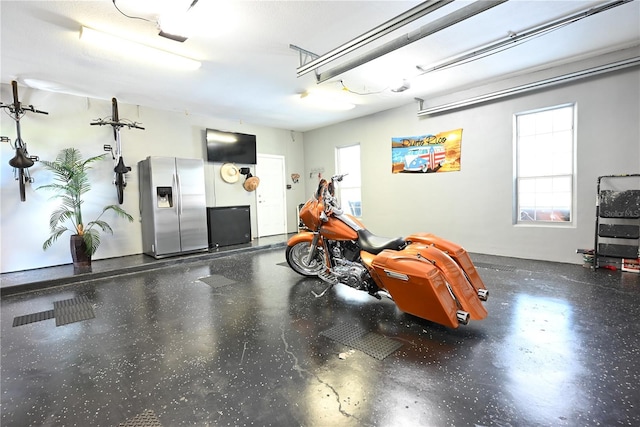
(561, 346)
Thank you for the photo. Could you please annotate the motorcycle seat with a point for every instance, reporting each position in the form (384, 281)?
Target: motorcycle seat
(373, 244)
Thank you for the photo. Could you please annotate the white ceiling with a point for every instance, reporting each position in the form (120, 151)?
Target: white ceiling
(248, 71)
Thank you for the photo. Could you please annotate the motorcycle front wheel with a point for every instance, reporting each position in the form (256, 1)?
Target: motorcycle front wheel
(298, 259)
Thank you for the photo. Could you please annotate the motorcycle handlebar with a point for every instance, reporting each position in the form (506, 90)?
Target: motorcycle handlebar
(325, 192)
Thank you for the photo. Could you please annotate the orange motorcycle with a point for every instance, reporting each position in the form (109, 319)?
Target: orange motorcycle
(424, 275)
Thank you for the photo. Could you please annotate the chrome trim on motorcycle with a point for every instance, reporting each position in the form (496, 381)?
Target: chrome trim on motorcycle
(463, 317)
(396, 275)
(312, 249)
(321, 294)
(328, 277)
(483, 294)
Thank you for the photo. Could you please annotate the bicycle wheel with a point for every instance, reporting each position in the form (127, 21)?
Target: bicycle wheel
(21, 182)
(120, 187)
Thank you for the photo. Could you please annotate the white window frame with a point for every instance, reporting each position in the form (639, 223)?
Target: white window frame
(351, 184)
(543, 212)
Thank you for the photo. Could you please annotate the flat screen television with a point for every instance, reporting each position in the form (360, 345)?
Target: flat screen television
(231, 147)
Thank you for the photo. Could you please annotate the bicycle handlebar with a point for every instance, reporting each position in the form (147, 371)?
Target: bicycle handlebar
(16, 108)
(32, 109)
(22, 109)
(118, 124)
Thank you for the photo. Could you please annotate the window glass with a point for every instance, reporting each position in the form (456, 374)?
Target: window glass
(544, 148)
(348, 191)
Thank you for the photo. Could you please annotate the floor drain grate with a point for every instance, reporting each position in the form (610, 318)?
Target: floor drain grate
(376, 345)
(72, 310)
(216, 281)
(344, 333)
(372, 344)
(146, 419)
(65, 312)
(31, 318)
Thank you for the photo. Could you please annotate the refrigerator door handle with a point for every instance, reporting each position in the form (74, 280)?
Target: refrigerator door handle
(141, 190)
(179, 190)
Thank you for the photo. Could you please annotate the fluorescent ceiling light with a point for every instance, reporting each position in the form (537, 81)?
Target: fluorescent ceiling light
(429, 28)
(137, 50)
(393, 24)
(514, 38)
(325, 102)
(528, 87)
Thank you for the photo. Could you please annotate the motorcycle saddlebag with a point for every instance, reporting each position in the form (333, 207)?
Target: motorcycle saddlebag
(460, 286)
(417, 287)
(455, 251)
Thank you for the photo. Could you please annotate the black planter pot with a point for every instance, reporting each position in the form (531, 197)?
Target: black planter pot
(81, 260)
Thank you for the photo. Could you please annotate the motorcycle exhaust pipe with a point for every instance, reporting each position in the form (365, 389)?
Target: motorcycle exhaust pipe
(483, 294)
(463, 317)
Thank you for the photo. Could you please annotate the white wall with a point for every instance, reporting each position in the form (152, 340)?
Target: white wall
(24, 225)
(474, 207)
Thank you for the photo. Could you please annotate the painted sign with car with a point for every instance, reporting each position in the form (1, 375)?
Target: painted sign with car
(427, 158)
(426, 153)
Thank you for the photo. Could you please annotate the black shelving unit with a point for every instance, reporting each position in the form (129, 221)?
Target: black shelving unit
(617, 233)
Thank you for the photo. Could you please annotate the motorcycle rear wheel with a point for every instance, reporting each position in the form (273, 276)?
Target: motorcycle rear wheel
(298, 259)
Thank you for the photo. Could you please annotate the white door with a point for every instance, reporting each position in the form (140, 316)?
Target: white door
(271, 195)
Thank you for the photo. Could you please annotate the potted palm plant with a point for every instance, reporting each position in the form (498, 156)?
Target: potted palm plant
(71, 184)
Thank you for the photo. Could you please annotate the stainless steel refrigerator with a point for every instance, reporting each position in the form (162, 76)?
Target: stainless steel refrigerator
(172, 206)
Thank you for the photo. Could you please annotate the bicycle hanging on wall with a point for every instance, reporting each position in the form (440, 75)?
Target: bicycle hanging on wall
(120, 169)
(22, 161)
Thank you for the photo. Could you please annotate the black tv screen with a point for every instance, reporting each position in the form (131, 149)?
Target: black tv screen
(231, 147)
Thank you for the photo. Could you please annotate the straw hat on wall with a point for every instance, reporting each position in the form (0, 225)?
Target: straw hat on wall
(229, 173)
(251, 183)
